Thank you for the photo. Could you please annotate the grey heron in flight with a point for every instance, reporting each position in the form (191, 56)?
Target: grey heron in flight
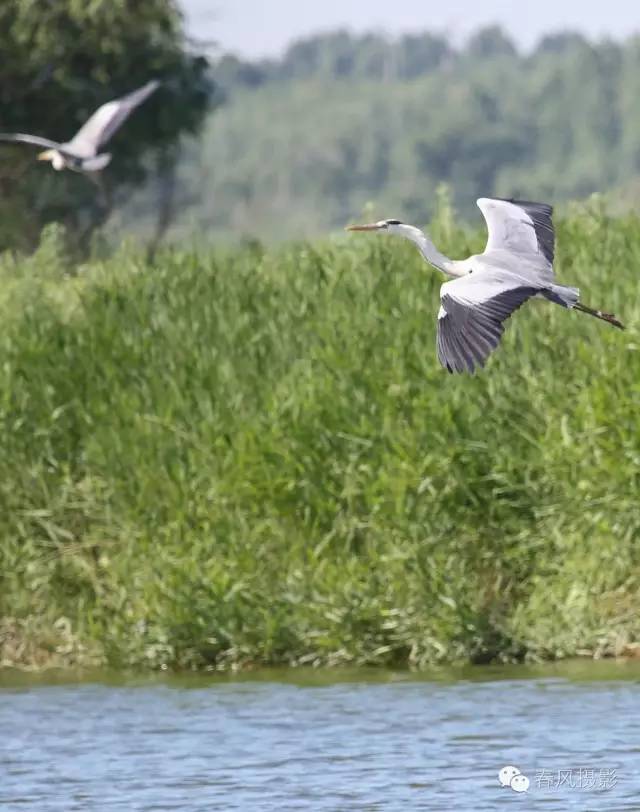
(516, 264)
(82, 152)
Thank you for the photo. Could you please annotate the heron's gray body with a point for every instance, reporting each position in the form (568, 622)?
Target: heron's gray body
(472, 315)
(531, 272)
(516, 265)
(485, 289)
(65, 159)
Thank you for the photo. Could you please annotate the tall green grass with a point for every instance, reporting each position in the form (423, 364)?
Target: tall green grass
(232, 459)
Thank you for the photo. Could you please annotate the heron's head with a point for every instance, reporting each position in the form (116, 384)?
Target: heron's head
(388, 226)
(414, 235)
(57, 161)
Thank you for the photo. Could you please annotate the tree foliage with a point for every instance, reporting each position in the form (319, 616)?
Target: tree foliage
(340, 55)
(61, 60)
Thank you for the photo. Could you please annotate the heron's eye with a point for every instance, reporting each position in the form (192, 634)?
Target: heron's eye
(393, 222)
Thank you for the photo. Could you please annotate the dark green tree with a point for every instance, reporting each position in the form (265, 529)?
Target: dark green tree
(420, 54)
(489, 43)
(60, 61)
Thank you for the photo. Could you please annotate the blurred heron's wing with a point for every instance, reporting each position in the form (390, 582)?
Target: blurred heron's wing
(471, 316)
(36, 140)
(106, 120)
(519, 226)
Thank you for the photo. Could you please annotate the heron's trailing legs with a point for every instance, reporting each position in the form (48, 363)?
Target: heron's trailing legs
(608, 317)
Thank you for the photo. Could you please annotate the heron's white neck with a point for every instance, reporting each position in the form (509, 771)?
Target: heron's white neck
(426, 248)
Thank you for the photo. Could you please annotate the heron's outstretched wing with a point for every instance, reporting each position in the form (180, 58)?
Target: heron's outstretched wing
(106, 120)
(519, 226)
(470, 320)
(31, 139)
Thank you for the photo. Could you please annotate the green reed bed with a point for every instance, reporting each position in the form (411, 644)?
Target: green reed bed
(228, 459)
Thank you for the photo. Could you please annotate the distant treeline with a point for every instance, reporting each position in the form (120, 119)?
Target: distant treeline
(341, 55)
(304, 142)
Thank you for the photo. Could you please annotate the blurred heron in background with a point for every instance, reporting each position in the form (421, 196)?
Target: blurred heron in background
(81, 154)
(487, 288)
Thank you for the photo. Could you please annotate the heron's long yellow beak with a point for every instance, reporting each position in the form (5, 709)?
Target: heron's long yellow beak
(47, 155)
(366, 227)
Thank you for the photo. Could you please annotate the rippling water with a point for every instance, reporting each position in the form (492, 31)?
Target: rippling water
(357, 740)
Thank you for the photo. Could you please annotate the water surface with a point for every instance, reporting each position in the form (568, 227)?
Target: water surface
(339, 740)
